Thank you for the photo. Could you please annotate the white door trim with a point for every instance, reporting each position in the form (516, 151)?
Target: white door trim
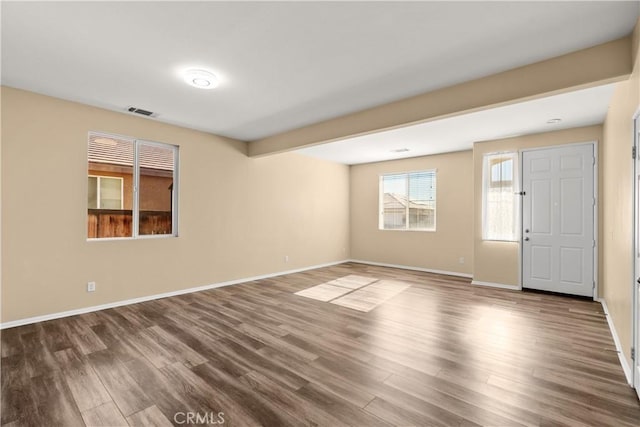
(595, 212)
(635, 273)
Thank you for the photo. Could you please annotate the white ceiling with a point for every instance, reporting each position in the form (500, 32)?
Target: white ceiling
(580, 108)
(282, 64)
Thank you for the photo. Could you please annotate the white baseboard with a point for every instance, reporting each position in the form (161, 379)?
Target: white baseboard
(623, 360)
(407, 267)
(68, 313)
(496, 285)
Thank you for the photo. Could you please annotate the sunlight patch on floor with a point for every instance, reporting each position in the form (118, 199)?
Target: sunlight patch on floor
(355, 292)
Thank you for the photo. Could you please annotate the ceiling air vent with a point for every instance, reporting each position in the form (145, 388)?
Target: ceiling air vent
(141, 111)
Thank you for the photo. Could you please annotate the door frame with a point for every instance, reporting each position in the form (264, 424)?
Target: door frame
(596, 208)
(635, 247)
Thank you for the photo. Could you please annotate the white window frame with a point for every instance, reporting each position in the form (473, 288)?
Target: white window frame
(135, 228)
(515, 189)
(98, 178)
(381, 226)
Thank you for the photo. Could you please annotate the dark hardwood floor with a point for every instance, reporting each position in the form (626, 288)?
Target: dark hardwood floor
(440, 353)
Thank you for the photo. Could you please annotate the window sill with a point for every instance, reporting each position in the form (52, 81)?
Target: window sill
(423, 230)
(145, 237)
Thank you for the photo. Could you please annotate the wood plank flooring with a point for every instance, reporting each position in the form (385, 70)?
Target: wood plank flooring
(439, 353)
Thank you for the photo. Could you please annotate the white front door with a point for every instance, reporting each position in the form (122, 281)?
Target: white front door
(636, 285)
(558, 206)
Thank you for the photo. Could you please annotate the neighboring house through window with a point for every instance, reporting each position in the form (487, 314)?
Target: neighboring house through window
(408, 201)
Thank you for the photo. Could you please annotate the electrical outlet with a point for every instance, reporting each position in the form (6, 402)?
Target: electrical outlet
(91, 286)
(461, 260)
(286, 258)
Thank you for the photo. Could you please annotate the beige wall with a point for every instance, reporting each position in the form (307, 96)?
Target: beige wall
(239, 217)
(497, 262)
(617, 170)
(439, 250)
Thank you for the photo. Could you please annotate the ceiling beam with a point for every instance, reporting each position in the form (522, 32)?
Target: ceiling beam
(601, 64)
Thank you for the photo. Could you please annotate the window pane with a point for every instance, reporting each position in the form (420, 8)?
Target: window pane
(110, 157)
(500, 218)
(500, 204)
(422, 200)
(157, 166)
(501, 172)
(394, 194)
(110, 193)
(92, 186)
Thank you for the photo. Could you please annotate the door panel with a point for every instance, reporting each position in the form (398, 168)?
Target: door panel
(541, 262)
(540, 165)
(541, 198)
(570, 162)
(571, 267)
(571, 218)
(558, 219)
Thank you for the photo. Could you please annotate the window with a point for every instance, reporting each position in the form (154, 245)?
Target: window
(500, 203)
(105, 192)
(408, 201)
(131, 189)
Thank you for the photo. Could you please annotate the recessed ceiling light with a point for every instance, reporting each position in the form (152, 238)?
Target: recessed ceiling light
(201, 79)
(400, 150)
(554, 121)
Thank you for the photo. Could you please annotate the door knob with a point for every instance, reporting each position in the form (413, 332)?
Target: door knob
(526, 239)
